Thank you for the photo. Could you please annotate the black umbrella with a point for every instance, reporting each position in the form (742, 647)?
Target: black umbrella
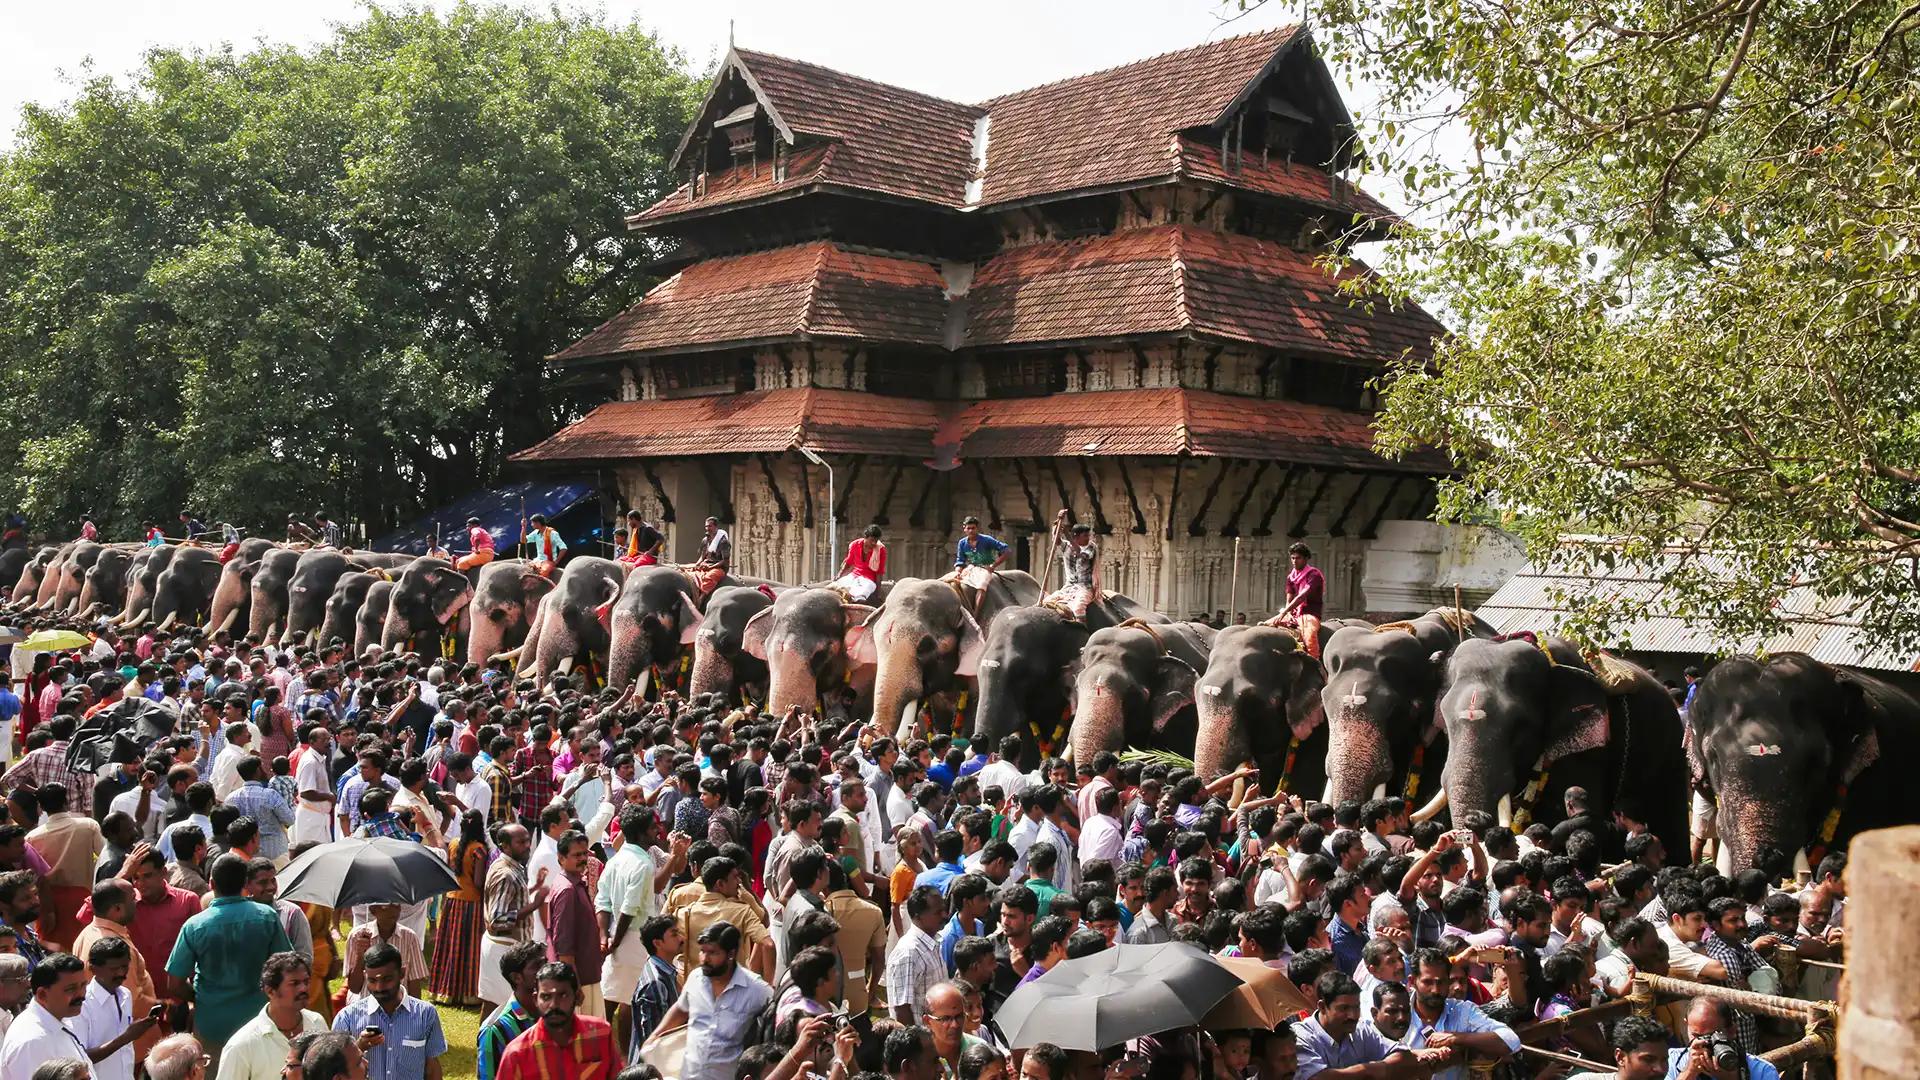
(1114, 995)
(377, 870)
(120, 733)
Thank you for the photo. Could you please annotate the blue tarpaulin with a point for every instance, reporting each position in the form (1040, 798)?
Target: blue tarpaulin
(498, 510)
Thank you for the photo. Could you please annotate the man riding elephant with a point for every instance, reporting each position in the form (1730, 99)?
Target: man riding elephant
(1079, 567)
(643, 542)
(479, 547)
(549, 548)
(1306, 598)
(862, 569)
(716, 557)
(975, 559)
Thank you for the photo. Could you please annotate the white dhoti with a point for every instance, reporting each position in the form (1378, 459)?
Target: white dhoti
(493, 985)
(854, 587)
(1074, 598)
(973, 577)
(620, 972)
(312, 823)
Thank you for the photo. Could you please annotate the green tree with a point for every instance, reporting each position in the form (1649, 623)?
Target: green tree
(1678, 245)
(273, 281)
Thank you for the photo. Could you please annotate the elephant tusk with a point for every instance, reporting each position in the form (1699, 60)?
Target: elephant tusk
(907, 717)
(226, 624)
(1433, 807)
(565, 667)
(1800, 863)
(512, 656)
(640, 683)
(1506, 811)
(166, 624)
(1380, 790)
(1327, 795)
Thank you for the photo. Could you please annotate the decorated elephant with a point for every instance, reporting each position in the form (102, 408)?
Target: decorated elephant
(1135, 687)
(233, 596)
(811, 640)
(1258, 701)
(1800, 755)
(1525, 722)
(1029, 661)
(423, 611)
(50, 576)
(1382, 683)
(267, 601)
(371, 620)
(105, 588)
(575, 619)
(506, 596)
(143, 577)
(653, 627)
(314, 576)
(928, 640)
(721, 663)
(342, 616)
(183, 591)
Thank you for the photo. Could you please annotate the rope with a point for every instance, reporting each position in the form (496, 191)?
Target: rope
(1139, 624)
(1403, 627)
(1783, 1008)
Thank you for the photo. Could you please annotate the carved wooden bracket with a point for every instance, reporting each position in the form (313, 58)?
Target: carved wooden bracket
(1100, 523)
(1339, 526)
(1313, 501)
(1232, 526)
(1273, 504)
(1133, 498)
(782, 512)
(1198, 526)
(659, 491)
(880, 516)
(1372, 529)
(1033, 503)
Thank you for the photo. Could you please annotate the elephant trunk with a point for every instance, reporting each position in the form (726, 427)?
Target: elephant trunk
(226, 624)
(487, 635)
(229, 596)
(629, 648)
(1748, 823)
(1221, 744)
(997, 710)
(712, 671)
(1358, 757)
(1099, 720)
(1467, 786)
(790, 681)
(84, 602)
(262, 616)
(897, 684)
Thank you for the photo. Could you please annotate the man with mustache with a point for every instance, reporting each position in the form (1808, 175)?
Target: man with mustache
(719, 1006)
(409, 1041)
(43, 1031)
(566, 1041)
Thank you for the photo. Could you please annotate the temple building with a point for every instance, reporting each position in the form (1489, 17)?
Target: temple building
(1105, 293)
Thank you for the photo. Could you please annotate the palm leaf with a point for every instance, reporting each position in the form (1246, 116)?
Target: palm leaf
(1157, 757)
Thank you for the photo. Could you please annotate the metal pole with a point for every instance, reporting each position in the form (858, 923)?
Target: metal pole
(833, 524)
(1233, 594)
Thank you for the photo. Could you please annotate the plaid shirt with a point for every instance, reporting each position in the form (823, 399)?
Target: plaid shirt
(1740, 961)
(288, 788)
(501, 784)
(506, 894)
(30, 944)
(351, 791)
(536, 791)
(268, 810)
(496, 1034)
(659, 988)
(914, 968)
(387, 824)
(587, 1053)
(325, 701)
(48, 765)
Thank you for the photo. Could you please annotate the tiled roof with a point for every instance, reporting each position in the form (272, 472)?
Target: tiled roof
(1184, 279)
(1287, 180)
(763, 421)
(1118, 124)
(808, 290)
(1150, 423)
(807, 166)
(892, 140)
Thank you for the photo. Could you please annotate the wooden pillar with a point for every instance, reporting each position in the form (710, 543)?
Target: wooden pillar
(1880, 1026)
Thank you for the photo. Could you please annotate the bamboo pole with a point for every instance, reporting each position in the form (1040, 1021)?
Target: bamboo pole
(1233, 593)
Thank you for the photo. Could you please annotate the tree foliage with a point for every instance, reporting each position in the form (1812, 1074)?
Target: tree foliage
(1678, 245)
(281, 280)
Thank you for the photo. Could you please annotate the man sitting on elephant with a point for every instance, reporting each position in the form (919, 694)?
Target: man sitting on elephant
(1306, 599)
(975, 559)
(862, 569)
(479, 547)
(643, 542)
(716, 555)
(1079, 568)
(548, 547)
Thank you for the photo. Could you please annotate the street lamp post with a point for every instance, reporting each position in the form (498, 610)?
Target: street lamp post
(833, 525)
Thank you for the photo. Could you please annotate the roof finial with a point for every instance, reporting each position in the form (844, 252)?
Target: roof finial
(729, 33)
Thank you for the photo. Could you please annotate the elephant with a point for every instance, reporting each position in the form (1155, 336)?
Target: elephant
(1526, 721)
(79, 559)
(506, 596)
(1785, 742)
(13, 561)
(576, 617)
(233, 596)
(371, 620)
(342, 618)
(721, 664)
(143, 576)
(26, 585)
(424, 608)
(1259, 700)
(1135, 687)
(1028, 662)
(50, 576)
(183, 591)
(811, 639)
(653, 621)
(267, 603)
(1381, 686)
(105, 587)
(313, 579)
(929, 642)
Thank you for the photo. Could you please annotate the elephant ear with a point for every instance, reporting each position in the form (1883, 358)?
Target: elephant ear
(753, 637)
(1577, 717)
(689, 620)
(972, 644)
(858, 638)
(533, 589)
(1173, 680)
(1856, 736)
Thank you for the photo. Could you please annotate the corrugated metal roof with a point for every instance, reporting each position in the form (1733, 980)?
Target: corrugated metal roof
(1542, 599)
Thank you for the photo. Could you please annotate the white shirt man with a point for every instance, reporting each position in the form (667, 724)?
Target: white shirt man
(1100, 838)
(1006, 776)
(102, 1018)
(312, 820)
(226, 769)
(36, 1037)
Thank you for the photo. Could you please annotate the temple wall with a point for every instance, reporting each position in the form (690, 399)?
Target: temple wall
(1182, 576)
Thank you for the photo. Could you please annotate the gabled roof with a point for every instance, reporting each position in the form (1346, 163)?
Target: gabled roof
(1106, 129)
(759, 422)
(813, 290)
(1185, 279)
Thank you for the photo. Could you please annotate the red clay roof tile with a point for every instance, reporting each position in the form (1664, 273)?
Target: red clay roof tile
(764, 421)
(1288, 180)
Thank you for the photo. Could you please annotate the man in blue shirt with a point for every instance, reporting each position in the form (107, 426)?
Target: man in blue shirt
(1334, 1042)
(412, 1041)
(968, 898)
(1439, 1022)
(1347, 899)
(947, 845)
(222, 951)
(975, 559)
(1707, 1017)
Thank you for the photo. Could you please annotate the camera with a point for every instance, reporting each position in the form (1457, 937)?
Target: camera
(1725, 1056)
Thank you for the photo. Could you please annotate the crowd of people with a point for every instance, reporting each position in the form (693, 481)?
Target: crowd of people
(769, 896)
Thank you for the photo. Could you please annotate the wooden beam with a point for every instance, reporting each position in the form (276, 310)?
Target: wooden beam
(1060, 485)
(720, 479)
(1198, 527)
(806, 481)
(1372, 529)
(880, 516)
(1425, 498)
(659, 491)
(918, 515)
(1339, 526)
(1033, 504)
(986, 493)
(782, 512)
(1210, 365)
(1232, 526)
(1173, 498)
(1100, 523)
(1273, 504)
(1133, 498)
(1313, 501)
(846, 490)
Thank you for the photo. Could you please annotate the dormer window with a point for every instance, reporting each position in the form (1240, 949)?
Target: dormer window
(738, 128)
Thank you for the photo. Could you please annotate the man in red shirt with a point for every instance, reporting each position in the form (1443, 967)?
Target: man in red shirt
(567, 1043)
(573, 929)
(159, 911)
(1306, 598)
(479, 546)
